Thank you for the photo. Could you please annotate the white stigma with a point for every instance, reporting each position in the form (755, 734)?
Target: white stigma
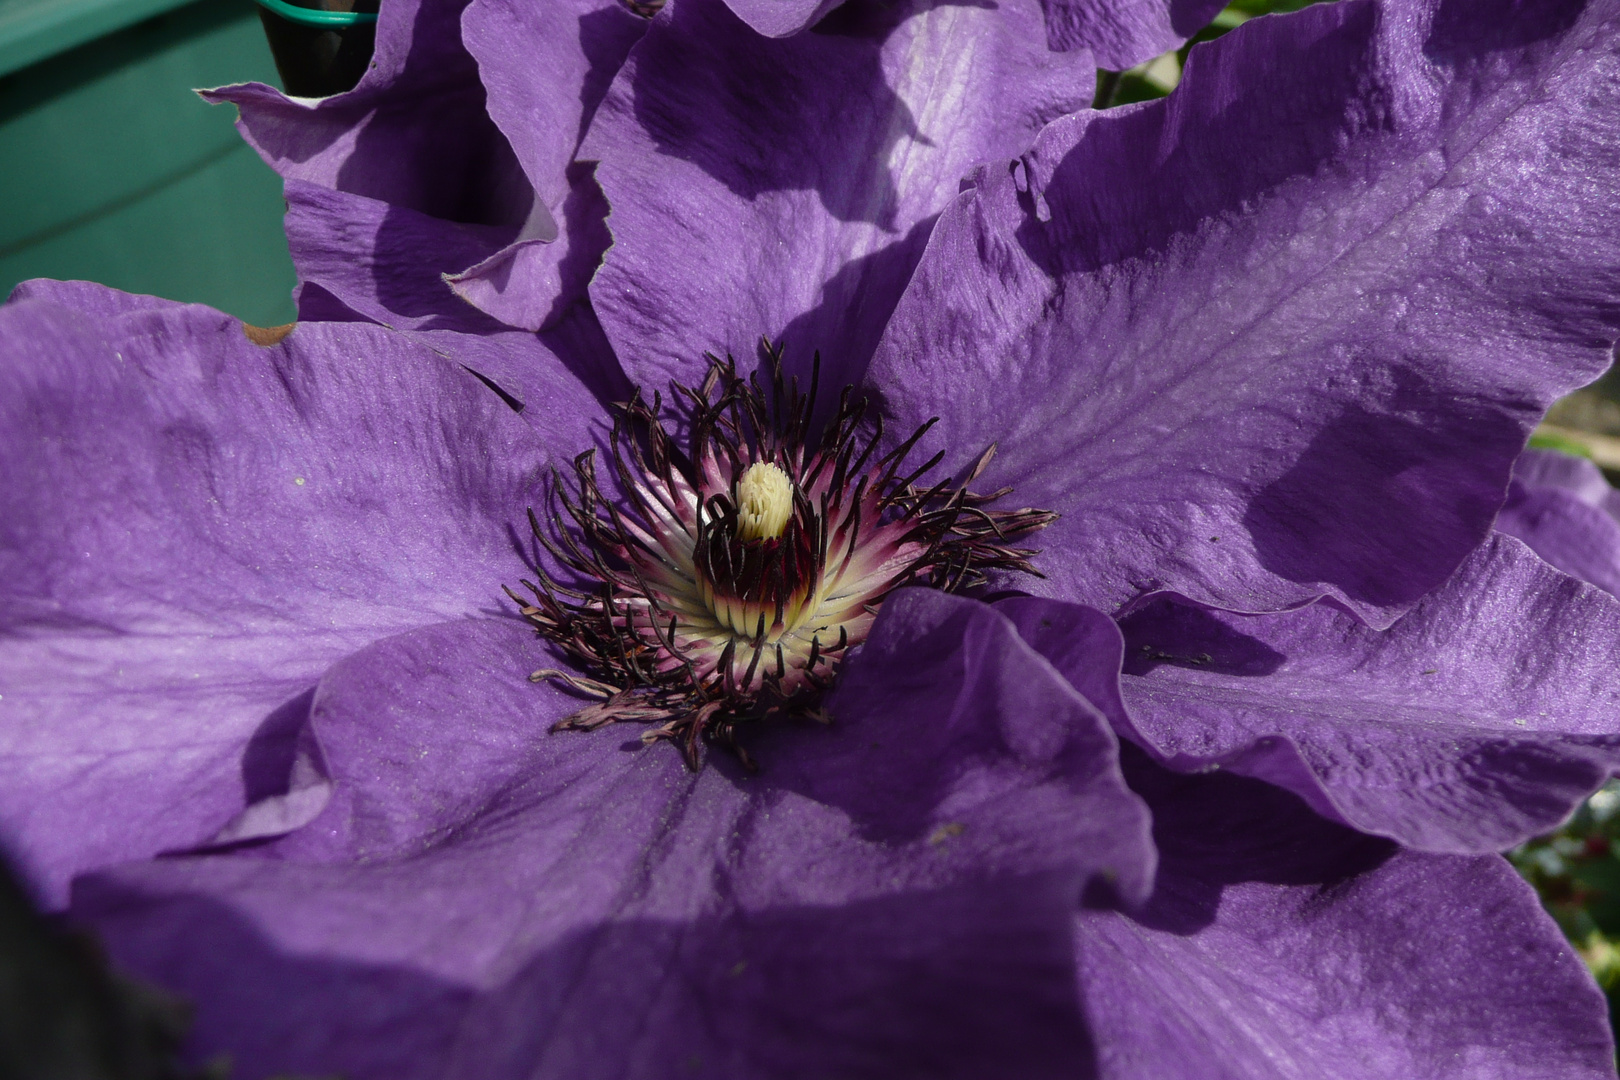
(764, 502)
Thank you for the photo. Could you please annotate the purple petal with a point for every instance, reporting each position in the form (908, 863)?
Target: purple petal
(1565, 510)
(531, 283)
(483, 899)
(1283, 334)
(1577, 475)
(1480, 719)
(195, 527)
(418, 180)
(781, 18)
(413, 133)
(798, 213)
(546, 68)
(383, 262)
(1278, 945)
(1123, 33)
(364, 260)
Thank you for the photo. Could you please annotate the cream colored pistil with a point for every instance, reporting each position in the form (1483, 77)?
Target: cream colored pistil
(764, 502)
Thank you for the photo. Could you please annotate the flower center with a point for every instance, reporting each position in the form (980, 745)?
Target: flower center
(727, 583)
(764, 501)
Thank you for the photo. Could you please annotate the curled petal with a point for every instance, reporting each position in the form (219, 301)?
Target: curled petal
(1480, 719)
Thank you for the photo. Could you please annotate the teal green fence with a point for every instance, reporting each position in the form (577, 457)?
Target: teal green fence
(112, 170)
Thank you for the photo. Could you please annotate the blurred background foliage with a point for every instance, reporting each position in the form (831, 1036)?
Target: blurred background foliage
(1159, 76)
(1578, 876)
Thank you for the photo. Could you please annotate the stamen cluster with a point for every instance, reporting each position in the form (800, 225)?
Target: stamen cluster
(726, 583)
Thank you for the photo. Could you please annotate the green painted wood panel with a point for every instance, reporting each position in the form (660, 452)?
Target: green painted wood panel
(115, 171)
(32, 30)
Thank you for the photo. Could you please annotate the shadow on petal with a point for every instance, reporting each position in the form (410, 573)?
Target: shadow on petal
(1217, 829)
(968, 982)
(476, 179)
(850, 42)
(1181, 635)
(1324, 519)
(1470, 26)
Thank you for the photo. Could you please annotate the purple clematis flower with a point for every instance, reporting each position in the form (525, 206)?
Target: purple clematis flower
(1274, 386)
